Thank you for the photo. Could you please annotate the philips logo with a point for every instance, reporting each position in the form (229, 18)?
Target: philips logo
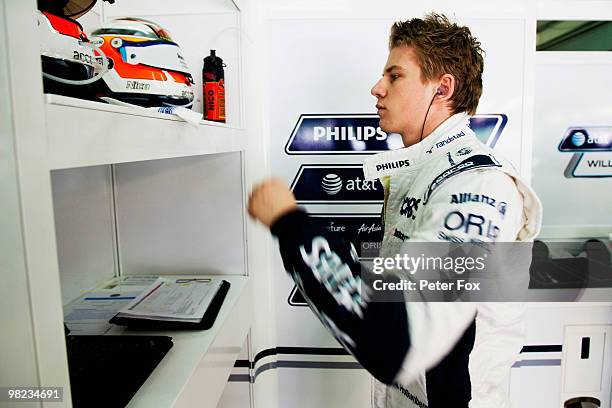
(340, 134)
(347, 133)
(393, 165)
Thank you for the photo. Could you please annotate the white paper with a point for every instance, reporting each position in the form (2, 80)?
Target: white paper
(171, 299)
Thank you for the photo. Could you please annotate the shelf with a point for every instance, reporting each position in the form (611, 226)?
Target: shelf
(196, 369)
(86, 133)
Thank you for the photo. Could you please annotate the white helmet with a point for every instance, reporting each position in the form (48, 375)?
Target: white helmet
(69, 60)
(147, 67)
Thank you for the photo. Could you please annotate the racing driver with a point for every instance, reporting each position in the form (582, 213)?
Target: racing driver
(444, 185)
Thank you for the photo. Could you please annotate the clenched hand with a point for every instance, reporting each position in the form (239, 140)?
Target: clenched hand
(270, 200)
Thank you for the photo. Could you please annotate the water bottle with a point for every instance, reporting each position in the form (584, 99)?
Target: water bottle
(213, 79)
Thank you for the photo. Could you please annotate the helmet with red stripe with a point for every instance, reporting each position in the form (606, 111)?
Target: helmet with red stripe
(147, 67)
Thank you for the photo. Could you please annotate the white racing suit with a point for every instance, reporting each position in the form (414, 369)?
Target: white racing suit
(455, 189)
(447, 188)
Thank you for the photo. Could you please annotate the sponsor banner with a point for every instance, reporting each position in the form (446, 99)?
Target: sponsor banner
(364, 231)
(590, 165)
(361, 134)
(592, 148)
(335, 184)
(587, 139)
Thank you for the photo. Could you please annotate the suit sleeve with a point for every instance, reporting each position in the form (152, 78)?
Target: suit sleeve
(326, 270)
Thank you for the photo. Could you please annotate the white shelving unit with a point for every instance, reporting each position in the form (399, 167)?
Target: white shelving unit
(104, 134)
(195, 370)
(95, 191)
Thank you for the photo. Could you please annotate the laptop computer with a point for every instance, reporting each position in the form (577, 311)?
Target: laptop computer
(107, 370)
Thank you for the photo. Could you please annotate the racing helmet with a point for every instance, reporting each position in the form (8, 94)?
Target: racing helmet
(69, 61)
(146, 67)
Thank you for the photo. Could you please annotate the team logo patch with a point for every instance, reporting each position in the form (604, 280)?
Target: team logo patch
(449, 140)
(410, 206)
(463, 152)
(461, 198)
(398, 164)
(475, 162)
(471, 224)
(400, 235)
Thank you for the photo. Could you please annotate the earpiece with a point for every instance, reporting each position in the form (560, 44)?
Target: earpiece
(440, 92)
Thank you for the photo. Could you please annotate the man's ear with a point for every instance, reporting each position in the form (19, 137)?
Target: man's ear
(446, 89)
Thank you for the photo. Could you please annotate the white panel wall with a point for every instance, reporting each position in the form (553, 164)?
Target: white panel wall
(189, 230)
(84, 227)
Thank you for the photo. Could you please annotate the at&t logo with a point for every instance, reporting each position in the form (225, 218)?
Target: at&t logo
(331, 184)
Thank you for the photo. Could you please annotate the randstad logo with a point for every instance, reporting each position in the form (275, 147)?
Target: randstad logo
(450, 139)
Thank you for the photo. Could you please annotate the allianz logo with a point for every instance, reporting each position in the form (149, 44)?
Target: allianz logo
(332, 184)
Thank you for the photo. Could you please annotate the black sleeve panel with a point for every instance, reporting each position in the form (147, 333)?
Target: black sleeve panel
(328, 273)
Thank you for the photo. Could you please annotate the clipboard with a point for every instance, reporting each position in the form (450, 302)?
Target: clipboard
(206, 323)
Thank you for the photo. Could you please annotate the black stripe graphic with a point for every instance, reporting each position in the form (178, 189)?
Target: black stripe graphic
(542, 349)
(537, 363)
(336, 351)
(321, 351)
(242, 363)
